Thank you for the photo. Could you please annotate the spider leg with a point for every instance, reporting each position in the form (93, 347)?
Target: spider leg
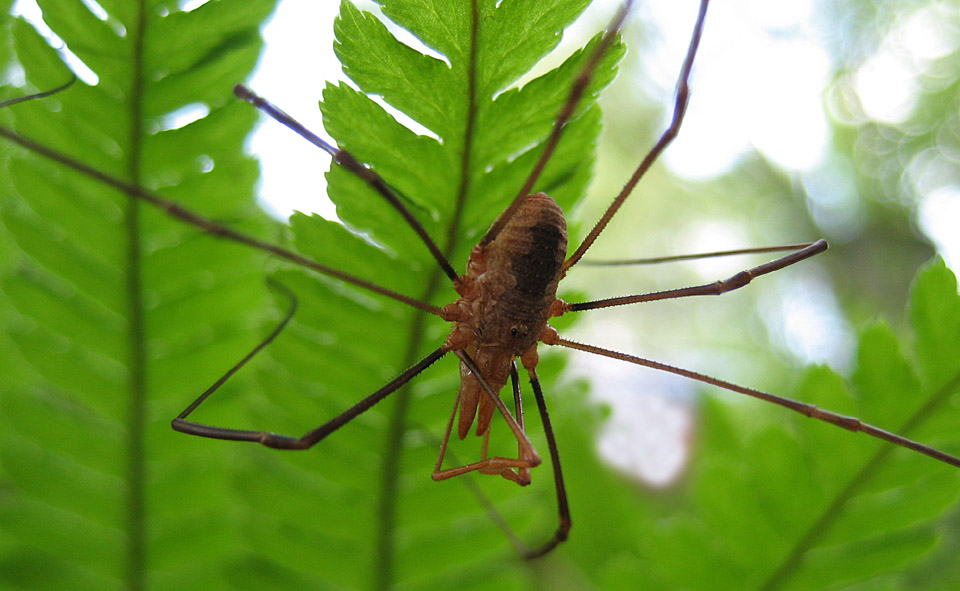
(446, 436)
(690, 257)
(566, 111)
(506, 467)
(176, 211)
(846, 422)
(716, 288)
(679, 110)
(521, 476)
(39, 95)
(346, 160)
(285, 441)
(563, 508)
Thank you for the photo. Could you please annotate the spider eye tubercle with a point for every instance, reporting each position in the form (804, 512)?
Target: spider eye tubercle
(519, 330)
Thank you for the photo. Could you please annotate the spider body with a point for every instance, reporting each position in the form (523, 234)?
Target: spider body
(506, 298)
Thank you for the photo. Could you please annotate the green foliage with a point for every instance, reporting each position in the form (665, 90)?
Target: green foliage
(87, 397)
(104, 344)
(792, 505)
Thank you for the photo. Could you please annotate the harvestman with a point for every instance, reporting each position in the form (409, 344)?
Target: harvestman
(507, 296)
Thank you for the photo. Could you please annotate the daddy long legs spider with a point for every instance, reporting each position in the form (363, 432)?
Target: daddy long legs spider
(513, 468)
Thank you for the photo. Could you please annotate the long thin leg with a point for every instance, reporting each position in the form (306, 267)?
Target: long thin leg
(38, 95)
(176, 211)
(294, 303)
(284, 441)
(471, 484)
(716, 288)
(523, 476)
(690, 257)
(576, 91)
(563, 509)
(528, 457)
(487, 465)
(345, 159)
(679, 110)
(446, 436)
(849, 423)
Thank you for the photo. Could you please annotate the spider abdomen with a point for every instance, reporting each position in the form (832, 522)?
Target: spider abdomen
(523, 266)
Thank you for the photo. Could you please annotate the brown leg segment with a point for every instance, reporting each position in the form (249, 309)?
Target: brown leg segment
(521, 476)
(446, 438)
(716, 288)
(346, 160)
(563, 509)
(285, 441)
(579, 86)
(691, 257)
(527, 456)
(679, 110)
(176, 211)
(846, 422)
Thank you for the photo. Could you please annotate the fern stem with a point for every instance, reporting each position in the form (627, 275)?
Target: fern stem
(136, 534)
(398, 422)
(393, 452)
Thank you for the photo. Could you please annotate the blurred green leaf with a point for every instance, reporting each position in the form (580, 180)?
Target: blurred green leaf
(783, 503)
(113, 314)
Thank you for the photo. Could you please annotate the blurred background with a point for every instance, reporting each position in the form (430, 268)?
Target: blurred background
(836, 120)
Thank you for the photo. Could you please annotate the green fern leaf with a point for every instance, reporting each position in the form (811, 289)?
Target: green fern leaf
(113, 313)
(142, 505)
(397, 523)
